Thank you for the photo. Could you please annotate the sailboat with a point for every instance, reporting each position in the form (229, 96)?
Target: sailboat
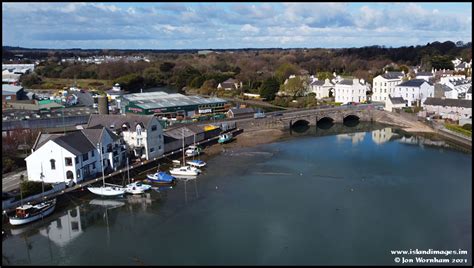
(196, 151)
(110, 190)
(185, 170)
(135, 187)
(28, 213)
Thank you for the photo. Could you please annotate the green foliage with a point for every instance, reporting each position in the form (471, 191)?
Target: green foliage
(131, 82)
(197, 81)
(29, 80)
(29, 188)
(8, 164)
(152, 77)
(167, 66)
(458, 129)
(442, 62)
(324, 75)
(284, 71)
(295, 87)
(269, 88)
(467, 127)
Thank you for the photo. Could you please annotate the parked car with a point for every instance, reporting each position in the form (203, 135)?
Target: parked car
(278, 114)
(259, 115)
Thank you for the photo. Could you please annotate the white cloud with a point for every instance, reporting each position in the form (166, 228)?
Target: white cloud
(247, 28)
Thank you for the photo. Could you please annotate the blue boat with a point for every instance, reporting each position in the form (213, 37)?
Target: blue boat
(196, 163)
(161, 177)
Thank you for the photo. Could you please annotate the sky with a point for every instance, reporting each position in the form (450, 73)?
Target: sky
(202, 25)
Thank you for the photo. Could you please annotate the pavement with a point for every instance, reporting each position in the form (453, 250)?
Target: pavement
(11, 181)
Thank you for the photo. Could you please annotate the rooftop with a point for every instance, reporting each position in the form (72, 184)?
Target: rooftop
(397, 100)
(448, 102)
(118, 120)
(412, 83)
(393, 75)
(153, 100)
(10, 89)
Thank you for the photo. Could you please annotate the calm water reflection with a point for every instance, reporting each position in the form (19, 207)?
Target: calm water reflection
(315, 197)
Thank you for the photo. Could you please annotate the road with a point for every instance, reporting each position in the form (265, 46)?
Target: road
(11, 181)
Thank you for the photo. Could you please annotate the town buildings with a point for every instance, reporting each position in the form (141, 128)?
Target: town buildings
(75, 156)
(394, 103)
(454, 109)
(427, 76)
(414, 91)
(322, 89)
(385, 84)
(458, 84)
(351, 90)
(143, 134)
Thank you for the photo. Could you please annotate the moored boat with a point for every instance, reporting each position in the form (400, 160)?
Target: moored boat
(193, 150)
(161, 177)
(226, 137)
(28, 213)
(185, 171)
(196, 163)
(107, 190)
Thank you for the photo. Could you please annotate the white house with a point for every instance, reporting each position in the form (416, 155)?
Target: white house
(453, 109)
(469, 93)
(230, 84)
(142, 133)
(74, 156)
(458, 84)
(415, 90)
(394, 103)
(351, 90)
(385, 84)
(322, 89)
(427, 76)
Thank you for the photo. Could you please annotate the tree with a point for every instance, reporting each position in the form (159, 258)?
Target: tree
(131, 82)
(295, 87)
(269, 88)
(29, 80)
(167, 66)
(324, 75)
(284, 71)
(152, 77)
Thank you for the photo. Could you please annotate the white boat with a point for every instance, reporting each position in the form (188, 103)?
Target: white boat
(28, 213)
(193, 150)
(185, 171)
(196, 163)
(137, 188)
(107, 190)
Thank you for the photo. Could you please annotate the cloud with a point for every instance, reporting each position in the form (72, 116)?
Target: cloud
(219, 25)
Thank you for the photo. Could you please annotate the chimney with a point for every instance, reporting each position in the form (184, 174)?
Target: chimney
(362, 81)
(386, 71)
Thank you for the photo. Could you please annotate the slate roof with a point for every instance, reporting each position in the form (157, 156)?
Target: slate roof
(459, 82)
(393, 75)
(412, 83)
(469, 90)
(424, 74)
(177, 133)
(10, 89)
(397, 100)
(76, 143)
(448, 102)
(236, 111)
(317, 83)
(43, 138)
(346, 82)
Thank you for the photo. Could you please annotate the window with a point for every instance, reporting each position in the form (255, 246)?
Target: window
(93, 165)
(385, 84)
(77, 160)
(53, 164)
(78, 172)
(153, 128)
(92, 153)
(139, 130)
(68, 161)
(159, 147)
(413, 95)
(85, 157)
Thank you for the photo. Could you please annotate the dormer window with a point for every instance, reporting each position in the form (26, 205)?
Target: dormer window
(139, 130)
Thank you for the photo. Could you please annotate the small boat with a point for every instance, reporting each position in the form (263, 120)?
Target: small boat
(196, 163)
(161, 177)
(185, 171)
(107, 190)
(176, 162)
(137, 188)
(28, 213)
(193, 150)
(223, 138)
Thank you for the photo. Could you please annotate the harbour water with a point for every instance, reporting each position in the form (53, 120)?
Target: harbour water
(313, 198)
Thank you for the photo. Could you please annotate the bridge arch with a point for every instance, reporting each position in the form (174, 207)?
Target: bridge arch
(351, 120)
(351, 117)
(299, 122)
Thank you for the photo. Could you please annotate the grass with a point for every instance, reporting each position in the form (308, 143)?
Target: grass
(62, 83)
(458, 129)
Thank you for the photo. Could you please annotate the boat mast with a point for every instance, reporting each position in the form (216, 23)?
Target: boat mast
(195, 148)
(42, 181)
(183, 146)
(99, 147)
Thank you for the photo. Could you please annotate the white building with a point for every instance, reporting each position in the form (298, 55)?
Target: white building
(394, 103)
(469, 93)
(385, 84)
(413, 91)
(453, 109)
(322, 89)
(382, 135)
(353, 90)
(230, 84)
(142, 133)
(458, 84)
(74, 156)
(427, 76)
